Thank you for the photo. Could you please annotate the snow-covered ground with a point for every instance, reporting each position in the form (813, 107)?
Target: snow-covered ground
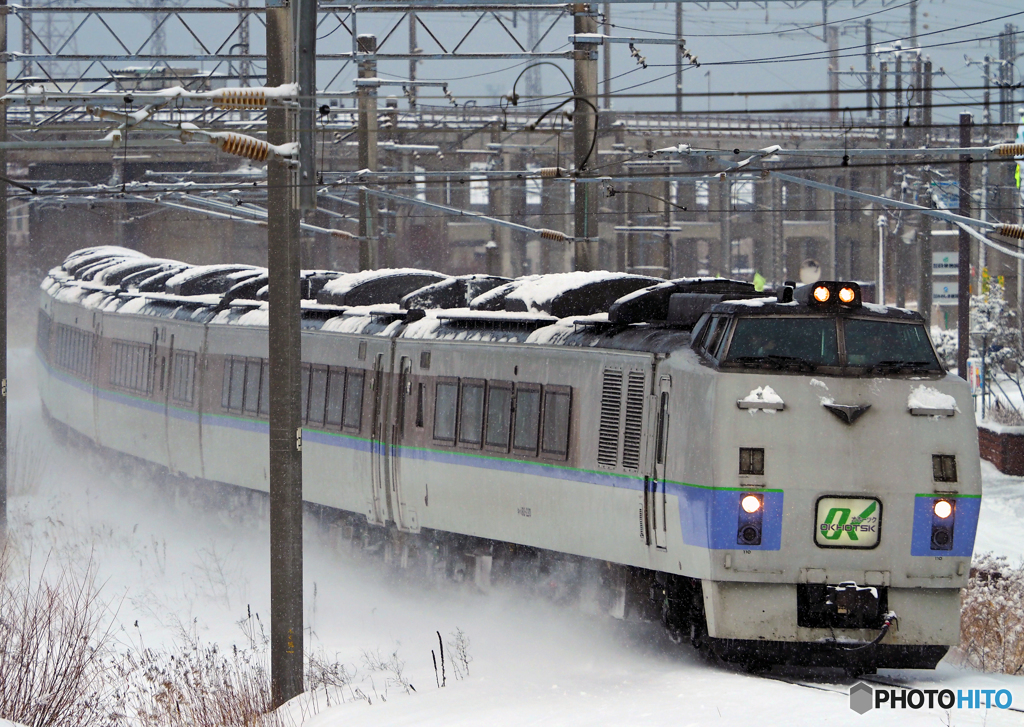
(171, 557)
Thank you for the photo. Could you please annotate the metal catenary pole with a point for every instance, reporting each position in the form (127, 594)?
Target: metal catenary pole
(679, 59)
(924, 295)
(868, 66)
(963, 315)
(367, 133)
(584, 125)
(285, 353)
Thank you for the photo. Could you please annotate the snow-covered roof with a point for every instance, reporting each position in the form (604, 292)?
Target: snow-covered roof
(537, 294)
(348, 281)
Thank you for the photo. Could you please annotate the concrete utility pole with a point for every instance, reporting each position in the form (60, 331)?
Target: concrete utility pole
(606, 57)
(869, 67)
(290, 48)
(3, 277)
(963, 308)
(986, 121)
(584, 132)
(413, 49)
(832, 37)
(679, 58)
(924, 295)
(913, 23)
(367, 132)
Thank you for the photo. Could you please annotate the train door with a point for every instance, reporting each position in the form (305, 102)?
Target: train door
(97, 350)
(404, 517)
(658, 504)
(378, 443)
(167, 370)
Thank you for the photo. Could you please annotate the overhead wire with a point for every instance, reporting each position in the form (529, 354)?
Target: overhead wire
(766, 32)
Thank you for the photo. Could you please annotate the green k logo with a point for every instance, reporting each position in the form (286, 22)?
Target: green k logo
(837, 518)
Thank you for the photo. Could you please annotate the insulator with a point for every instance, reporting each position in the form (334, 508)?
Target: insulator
(549, 172)
(1014, 231)
(243, 146)
(1010, 150)
(240, 98)
(552, 235)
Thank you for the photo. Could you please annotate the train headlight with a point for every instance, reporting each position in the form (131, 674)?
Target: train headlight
(943, 523)
(749, 519)
(847, 295)
(822, 294)
(750, 503)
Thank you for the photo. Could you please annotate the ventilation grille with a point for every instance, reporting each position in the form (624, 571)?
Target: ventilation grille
(631, 436)
(611, 410)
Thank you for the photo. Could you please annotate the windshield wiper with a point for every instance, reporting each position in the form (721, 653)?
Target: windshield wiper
(896, 365)
(771, 360)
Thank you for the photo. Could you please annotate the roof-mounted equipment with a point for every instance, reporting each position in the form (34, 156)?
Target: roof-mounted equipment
(679, 302)
(375, 287)
(829, 294)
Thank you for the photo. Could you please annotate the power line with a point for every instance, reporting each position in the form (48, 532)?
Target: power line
(766, 32)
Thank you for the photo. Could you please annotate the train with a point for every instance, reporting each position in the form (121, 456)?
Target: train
(781, 478)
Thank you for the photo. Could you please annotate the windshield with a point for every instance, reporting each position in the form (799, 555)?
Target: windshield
(804, 343)
(882, 344)
(785, 342)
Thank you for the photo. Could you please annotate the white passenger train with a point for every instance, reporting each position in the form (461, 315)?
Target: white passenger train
(776, 478)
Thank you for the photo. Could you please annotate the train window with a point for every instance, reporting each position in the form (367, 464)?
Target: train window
(557, 405)
(318, 394)
(499, 414)
(252, 385)
(889, 344)
(305, 391)
(353, 418)
(183, 374)
(751, 461)
(446, 397)
(662, 428)
(335, 396)
(944, 467)
(265, 388)
(424, 359)
(225, 386)
(362, 350)
(471, 415)
(421, 392)
(716, 346)
(237, 389)
(527, 422)
(699, 329)
(713, 335)
(785, 342)
(130, 363)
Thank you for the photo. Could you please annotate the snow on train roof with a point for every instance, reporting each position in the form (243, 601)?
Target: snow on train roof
(198, 271)
(537, 291)
(347, 281)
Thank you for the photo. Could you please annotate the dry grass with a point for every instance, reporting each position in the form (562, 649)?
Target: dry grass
(53, 645)
(60, 665)
(197, 685)
(992, 617)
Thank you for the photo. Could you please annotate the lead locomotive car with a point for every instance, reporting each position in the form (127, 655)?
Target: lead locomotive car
(781, 479)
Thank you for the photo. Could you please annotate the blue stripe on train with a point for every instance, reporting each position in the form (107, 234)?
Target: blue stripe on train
(709, 517)
(965, 525)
